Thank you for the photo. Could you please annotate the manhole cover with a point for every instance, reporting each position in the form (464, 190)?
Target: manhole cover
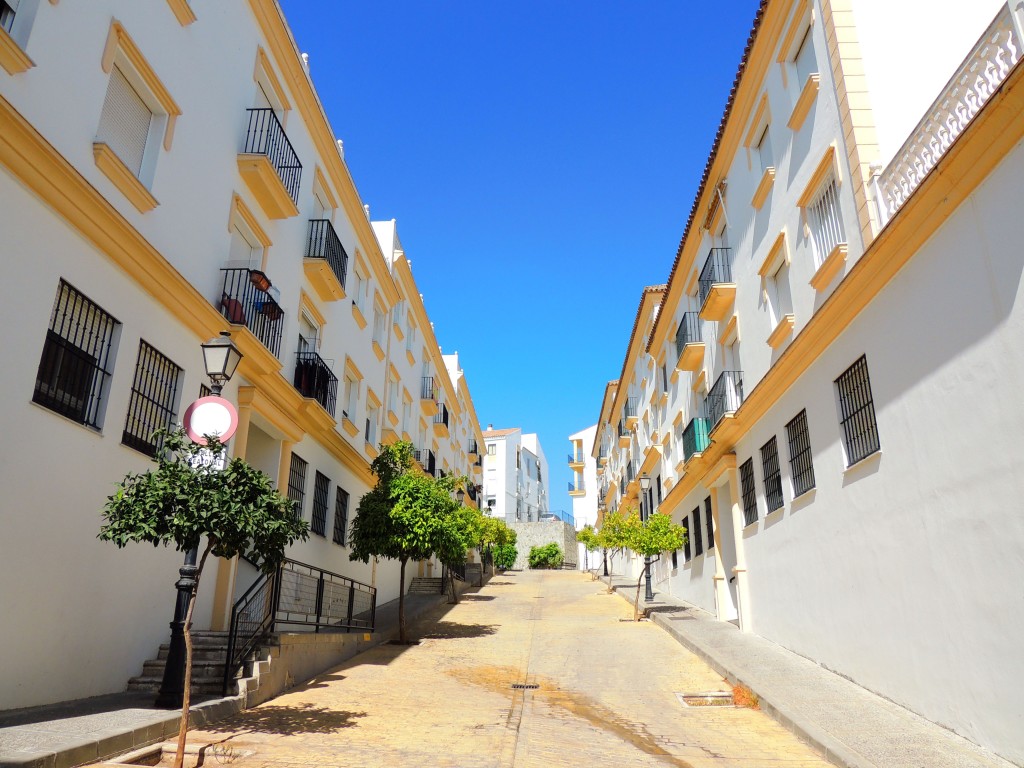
(709, 699)
(525, 686)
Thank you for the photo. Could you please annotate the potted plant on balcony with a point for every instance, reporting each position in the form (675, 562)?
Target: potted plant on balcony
(259, 280)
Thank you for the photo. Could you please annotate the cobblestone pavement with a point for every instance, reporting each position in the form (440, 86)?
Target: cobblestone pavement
(606, 695)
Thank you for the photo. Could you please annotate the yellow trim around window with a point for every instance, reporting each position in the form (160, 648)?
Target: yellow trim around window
(12, 58)
(826, 166)
(182, 11)
(122, 178)
(803, 104)
(778, 255)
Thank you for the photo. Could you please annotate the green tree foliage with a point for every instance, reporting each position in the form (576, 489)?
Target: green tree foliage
(494, 535)
(546, 556)
(185, 501)
(612, 538)
(588, 537)
(407, 516)
(505, 556)
(649, 538)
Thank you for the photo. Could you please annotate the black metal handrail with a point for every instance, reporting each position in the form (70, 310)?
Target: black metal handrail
(314, 378)
(325, 244)
(695, 437)
(265, 136)
(622, 429)
(244, 301)
(441, 417)
(425, 457)
(296, 595)
(725, 396)
(428, 391)
(717, 269)
(689, 331)
(472, 447)
(631, 406)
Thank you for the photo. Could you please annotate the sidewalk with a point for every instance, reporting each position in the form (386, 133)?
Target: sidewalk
(850, 725)
(84, 731)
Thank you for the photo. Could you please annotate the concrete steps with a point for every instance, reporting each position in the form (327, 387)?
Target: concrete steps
(209, 652)
(425, 586)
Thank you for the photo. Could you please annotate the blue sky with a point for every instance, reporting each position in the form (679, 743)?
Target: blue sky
(541, 159)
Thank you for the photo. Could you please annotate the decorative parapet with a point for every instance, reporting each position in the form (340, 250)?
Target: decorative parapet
(978, 78)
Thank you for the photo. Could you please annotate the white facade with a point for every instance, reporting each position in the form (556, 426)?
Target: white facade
(837, 430)
(131, 169)
(584, 487)
(515, 475)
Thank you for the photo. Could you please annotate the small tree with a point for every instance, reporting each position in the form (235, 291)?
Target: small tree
(612, 537)
(505, 556)
(587, 536)
(405, 516)
(650, 538)
(460, 532)
(496, 534)
(237, 510)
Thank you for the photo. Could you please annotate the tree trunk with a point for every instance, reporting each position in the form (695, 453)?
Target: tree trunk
(179, 755)
(402, 634)
(636, 601)
(611, 570)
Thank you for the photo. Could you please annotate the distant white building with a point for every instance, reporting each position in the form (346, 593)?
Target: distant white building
(515, 475)
(583, 488)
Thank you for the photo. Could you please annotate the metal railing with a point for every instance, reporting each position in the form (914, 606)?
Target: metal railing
(631, 406)
(325, 244)
(695, 437)
(472, 447)
(296, 595)
(265, 136)
(576, 487)
(426, 459)
(688, 333)
(314, 378)
(245, 301)
(428, 390)
(717, 269)
(441, 417)
(725, 396)
(623, 432)
(577, 458)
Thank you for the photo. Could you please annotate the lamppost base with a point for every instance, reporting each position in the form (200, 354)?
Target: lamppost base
(172, 689)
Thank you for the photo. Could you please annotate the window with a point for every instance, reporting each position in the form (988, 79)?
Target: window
(857, 412)
(492, 449)
(7, 10)
(74, 370)
(801, 466)
(804, 60)
(698, 541)
(764, 150)
(125, 121)
(153, 400)
(675, 559)
(378, 325)
(709, 520)
(686, 542)
(748, 491)
(297, 483)
(351, 398)
(340, 516)
(204, 391)
(371, 425)
(321, 493)
(780, 300)
(772, 475)
(825, 221)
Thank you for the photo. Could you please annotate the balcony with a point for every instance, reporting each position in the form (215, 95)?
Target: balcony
(695, 438)
(689, 343)
(724, 397)
(428, 396)
(269, 165)
(472, 450)
(576, 460)
(326, 262)
(441, 421)
(314, 379)
(245, 301)
(630, 411)
(425, 458)
(717, 290)
(624, 437)
(602, 456)
(576, 488)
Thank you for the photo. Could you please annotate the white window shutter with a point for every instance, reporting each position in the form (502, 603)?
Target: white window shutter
(124, 124)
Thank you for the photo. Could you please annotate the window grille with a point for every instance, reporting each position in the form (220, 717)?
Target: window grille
(297, 483)
(686, 541)
(204, 391)
(321, 494)
(857, 412)
(341, 516)
(153, 400)
(125, 121)
(74, 370)
(801, 465)
(772, 475)
(675, 559)
(698, 541)
(825, 222)
(709, 520)
(749, 492)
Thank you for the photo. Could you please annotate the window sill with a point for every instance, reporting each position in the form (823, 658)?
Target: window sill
(377, 350)
(349, 427)
(370, 451)
(782, 331)
(410, 357)
(12, 58)
(763, 188)
(357, 313)
(182, 11)
(122, 178)
(829, 268)
(869, 459)
(803, 103)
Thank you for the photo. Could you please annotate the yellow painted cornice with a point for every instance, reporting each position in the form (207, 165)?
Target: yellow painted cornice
(650, 299)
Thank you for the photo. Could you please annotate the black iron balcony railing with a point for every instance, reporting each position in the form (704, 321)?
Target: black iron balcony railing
(695, 437)
(472, 447)
(724, 397)
(266, 137)
(631, 405)
(426, 459)
(314, 378)
(630, 473)
(428, 390)
(245, 301)
(472, 491)
(717, 269)
(623, 432)
(576, 487)
(602, 453)
(689, 331)
(324, 244)
(441, 417)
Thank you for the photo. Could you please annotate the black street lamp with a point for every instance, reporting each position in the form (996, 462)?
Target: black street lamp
(221, 358)
(645, 513)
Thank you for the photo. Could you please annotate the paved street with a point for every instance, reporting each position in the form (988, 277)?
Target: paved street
(606, 695)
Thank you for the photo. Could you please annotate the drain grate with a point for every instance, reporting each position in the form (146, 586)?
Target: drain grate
(708, 699)
(525, 686)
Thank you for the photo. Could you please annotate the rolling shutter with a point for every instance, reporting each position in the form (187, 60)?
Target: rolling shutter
(124, 124)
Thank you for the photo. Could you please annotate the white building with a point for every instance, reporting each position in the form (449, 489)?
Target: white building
(825, 393)
(583, 488)
(515, 475)
(168, 172)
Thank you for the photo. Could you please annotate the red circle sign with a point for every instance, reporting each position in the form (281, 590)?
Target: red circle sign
(211, 415)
